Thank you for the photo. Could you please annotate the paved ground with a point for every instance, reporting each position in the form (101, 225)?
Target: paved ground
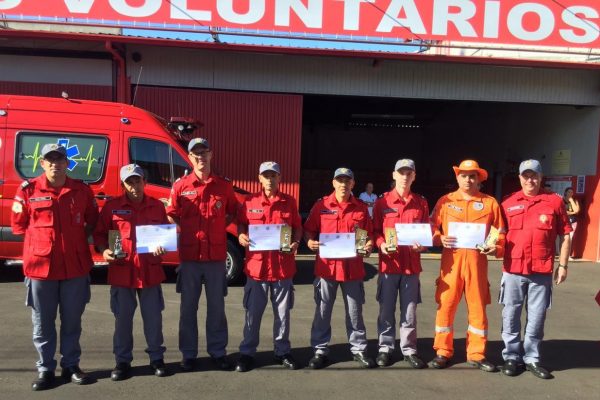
(571, 350)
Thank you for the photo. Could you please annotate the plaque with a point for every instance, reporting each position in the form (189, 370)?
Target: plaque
(115, 244)
(286, 239)
(490, 241)
(391, 240)
(360, 239)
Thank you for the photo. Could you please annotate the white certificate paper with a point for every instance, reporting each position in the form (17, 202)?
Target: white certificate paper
(409, 234)
(149, 237)
(337, 245)
(265, 237)
(468, 235)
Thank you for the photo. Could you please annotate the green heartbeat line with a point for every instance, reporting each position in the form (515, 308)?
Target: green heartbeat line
(89, 159)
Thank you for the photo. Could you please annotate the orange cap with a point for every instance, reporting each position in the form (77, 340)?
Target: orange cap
(471, 165)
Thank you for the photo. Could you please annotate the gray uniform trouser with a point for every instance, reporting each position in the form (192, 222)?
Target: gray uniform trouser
(190, 276)
(45, 298)
(388, 288)
(535, 292)
(354, 298)
(123, 303)
(256, 294)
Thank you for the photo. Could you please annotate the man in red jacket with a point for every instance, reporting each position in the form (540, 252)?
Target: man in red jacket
(132, 274)
(202, 204)
(399, 270)
(534, 219)
(56, 214)
(340, 212)
(268, 272)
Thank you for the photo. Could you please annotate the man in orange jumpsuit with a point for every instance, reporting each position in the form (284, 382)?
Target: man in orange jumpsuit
(464, 267)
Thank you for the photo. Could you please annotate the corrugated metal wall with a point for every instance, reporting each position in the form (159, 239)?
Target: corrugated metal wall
(362, 77)
(87, 92)
(244, 129)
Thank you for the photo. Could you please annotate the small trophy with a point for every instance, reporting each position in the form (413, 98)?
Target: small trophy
(391, 240)
(286, 239)
(115, 244)
(360, 238)
(490, 241)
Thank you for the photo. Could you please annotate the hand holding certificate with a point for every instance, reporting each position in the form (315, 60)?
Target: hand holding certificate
(149, 237)
(468, 235)
(337, 245)
(411, 234)
(265, 237)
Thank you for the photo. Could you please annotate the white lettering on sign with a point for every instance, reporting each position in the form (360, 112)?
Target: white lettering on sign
(148, 8)
(517, 14)
(180, 10)
(352, 13)
(442, 17)
(412, 21)
(310, 14)
(492, 19)
(256, 10)
(8, 4)
(591, 29)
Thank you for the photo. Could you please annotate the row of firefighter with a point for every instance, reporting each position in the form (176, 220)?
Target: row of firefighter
(56, 213)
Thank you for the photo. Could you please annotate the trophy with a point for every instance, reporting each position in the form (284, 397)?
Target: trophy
(490, 241)
(286, 239)
(391, 240)
(115, 244)
(360, 238)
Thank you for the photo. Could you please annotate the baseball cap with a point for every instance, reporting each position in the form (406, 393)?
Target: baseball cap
(53, 148)
(198, 141)
(471, 165)
(405, 163)
(131, 170)
(269, 166)
(343, 172)
(530, 165)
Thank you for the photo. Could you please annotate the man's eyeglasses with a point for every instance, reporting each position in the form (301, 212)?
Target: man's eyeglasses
(55, 159)
(198, 154)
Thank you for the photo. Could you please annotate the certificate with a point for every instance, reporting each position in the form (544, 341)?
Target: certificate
(468, 235)
(337, 245)
(409, 234)
(149, 237)
(264, 237)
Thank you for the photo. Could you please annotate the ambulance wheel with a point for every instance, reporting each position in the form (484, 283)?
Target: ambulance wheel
(234, 264)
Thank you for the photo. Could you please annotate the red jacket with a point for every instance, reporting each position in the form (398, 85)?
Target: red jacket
(257, 209)
(135, 270)
(329, 216)
(202, 208)
(533, 224)
(53, 221)
(390, 209)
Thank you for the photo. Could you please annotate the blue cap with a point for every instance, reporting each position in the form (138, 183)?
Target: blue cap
(405, 163)
(54, 148)
(198, 141)
(131, 170)
(343, 172)
(530, 165)
(269, 166)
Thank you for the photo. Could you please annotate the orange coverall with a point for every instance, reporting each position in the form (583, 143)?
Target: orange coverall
(464, 270)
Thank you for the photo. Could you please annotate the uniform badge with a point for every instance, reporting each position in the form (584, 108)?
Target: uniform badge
(218, 204)
(17, 207)
(543, 218)
(478, 206)
(188, 193)
(455, 207)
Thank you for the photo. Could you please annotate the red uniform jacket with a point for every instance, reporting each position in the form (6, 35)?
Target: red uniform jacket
(257, 209)
(135, 270)
(201, 208)
(533, 224)
(53, 221)
(390, 209)
(329, 216)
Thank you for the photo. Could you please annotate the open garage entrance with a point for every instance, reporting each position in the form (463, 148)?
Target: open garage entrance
(369, 134)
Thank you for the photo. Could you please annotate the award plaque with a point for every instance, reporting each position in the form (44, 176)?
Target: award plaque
(286, 239)
(361, 237)
(391, 240)
(490, 241)
(115, 244)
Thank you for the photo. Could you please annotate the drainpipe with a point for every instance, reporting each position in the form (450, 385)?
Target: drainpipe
(121, 84)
